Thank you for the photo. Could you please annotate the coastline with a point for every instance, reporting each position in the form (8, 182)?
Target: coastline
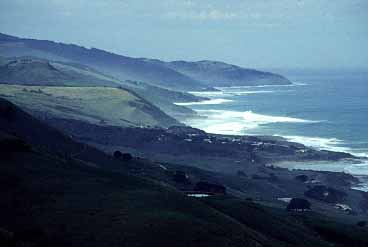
(216, 121)
(346, 166)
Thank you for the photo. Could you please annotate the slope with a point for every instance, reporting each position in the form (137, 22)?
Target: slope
(35, 71)
(219, 74)
(121, 67)
(179, 75)
(48, 199)
(100, 105)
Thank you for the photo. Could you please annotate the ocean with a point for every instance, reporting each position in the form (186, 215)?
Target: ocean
(325, 112)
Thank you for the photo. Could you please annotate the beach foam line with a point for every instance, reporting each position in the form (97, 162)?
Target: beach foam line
(237, 93)
(229, 92)
(205, 102)
(236, 122)
(264, 119)
(357, 168)
(319, 143)
(262, 86)
(250, 116)
(208, 93)
(332, 144)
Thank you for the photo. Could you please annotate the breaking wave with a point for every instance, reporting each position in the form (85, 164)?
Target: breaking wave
(234, 122)
(205, 102)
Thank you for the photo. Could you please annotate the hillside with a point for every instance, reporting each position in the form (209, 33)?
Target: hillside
(35, 71)
(86, 198)
(219, 74)
(121, 67)
(184, 76)
(42, 72)
(100, 105)
(49, 200)
(165, 99)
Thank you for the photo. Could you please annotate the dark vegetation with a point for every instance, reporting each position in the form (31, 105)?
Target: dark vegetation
(362, 223)
(182, 141)
(59, 190)
(123, 156)
(63, 193)
(298, 205)
(210, 188)
(117, 154)
(326, 194)
(302, 178)
(181, 177)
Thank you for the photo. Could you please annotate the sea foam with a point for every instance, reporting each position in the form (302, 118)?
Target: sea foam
(205, 102)
(295, 84)
(319, 143)
(236, 122)
(332, 144)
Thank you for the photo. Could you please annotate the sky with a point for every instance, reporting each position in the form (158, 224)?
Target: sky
(250, 33)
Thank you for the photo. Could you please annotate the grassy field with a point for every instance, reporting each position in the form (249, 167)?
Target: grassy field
(99, 105)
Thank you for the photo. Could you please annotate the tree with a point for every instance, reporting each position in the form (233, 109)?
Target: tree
(298, 204)
(181, 177)
(127, 156)
(210, 188)
(326, 194)
(117, 154)
(241, 173)
(362, 223)
(302, 178)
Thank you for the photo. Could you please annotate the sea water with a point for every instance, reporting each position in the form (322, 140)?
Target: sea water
(325, 112)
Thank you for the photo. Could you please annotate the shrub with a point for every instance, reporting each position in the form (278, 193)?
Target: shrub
(7, 112)
(12, 145)
(298, 204)
(326, 194)
(273, 178)
(127, 156)
(209, 187)
(241, 173)
(118, 154)
(302, 178)
(362, 223)
(181, 177)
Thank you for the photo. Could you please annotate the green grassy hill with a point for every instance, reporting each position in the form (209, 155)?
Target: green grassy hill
(36, 71)
(32, 71)
(100, 105)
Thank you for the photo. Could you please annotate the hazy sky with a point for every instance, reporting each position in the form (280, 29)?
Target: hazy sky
(257, 33)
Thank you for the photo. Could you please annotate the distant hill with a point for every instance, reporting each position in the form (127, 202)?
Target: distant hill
(35, 71)
(184, 76)
(219, 74)
(121, 67)
(43, 72)
(99, 105)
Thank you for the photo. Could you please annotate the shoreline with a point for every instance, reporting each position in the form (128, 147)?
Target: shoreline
(340, 166)
(216, 122)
